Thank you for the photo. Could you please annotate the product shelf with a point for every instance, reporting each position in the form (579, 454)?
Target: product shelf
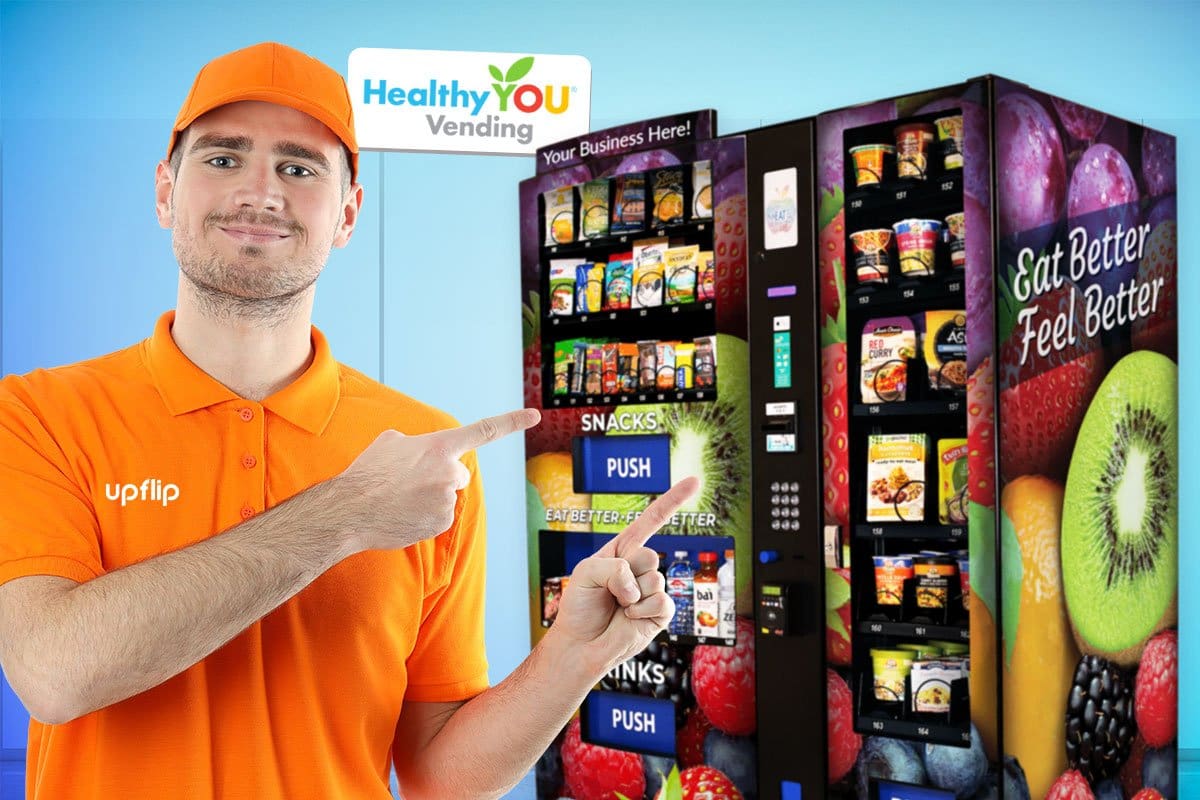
(899, 192)
(933, 733)
(574, 325)
(680, 395)
(911, 530)
(924, 291)
(916, 630)
(914, 408)
(607, 244)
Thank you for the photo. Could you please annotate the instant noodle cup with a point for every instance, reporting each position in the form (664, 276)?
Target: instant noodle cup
(933, 575)
(891, 668)
(890, 574)
(872, 254)
(913, 143)
(916, 243)
(956, 237)
(950, 134)
(921, 649)
(952, 649)
(931, 682)
(869, 162)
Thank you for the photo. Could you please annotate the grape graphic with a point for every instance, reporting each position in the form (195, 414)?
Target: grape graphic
(830, 152)
(1103, 195)
(1158, 163)
(1080, 121)
(1031, 169)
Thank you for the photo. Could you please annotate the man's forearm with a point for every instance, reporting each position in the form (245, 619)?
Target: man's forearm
(488, 744)
(129, 630)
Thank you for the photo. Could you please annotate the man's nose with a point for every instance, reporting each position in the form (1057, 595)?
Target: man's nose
(260, 189)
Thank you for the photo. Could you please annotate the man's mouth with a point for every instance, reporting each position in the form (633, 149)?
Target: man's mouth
(254, 235)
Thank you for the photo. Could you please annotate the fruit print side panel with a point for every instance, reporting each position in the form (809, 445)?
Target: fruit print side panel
(728, 157)
(1088, 460)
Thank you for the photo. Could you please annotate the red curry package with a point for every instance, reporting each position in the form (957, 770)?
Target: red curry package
(887, 346)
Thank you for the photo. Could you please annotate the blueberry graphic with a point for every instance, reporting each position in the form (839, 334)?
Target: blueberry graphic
(958, 769)
(736, 757)
(1158, 771)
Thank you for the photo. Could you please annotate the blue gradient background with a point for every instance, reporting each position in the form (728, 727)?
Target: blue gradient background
(425, 298)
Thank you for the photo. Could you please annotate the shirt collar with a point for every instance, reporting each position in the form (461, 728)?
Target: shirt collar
(307, 402)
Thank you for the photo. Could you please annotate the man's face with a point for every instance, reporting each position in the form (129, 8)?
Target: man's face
(257, 201)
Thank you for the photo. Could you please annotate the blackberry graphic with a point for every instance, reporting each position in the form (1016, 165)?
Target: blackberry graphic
(660, 671)
(1100, 724)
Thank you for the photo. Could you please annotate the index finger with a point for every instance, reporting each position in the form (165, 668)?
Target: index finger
(654, 517)
(488, 429)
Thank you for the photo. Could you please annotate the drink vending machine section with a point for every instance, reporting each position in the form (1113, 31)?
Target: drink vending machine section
(633, 244)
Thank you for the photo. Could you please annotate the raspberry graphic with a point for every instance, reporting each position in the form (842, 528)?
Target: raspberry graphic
(843, 741)
(723, 682)
(705, 783)
(689, 741)
(1155, 690)
(1071, 785)
(594, 773)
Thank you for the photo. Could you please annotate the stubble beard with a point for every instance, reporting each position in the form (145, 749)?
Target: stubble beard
(248, 288)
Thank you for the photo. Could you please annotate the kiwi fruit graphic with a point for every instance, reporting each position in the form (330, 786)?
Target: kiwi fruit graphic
(710, 440)
(1120, 511)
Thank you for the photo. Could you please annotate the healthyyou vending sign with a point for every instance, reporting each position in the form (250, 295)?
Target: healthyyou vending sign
(462, 102)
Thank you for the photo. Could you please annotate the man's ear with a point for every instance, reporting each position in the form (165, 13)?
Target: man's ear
(164, 184)
(350, 211)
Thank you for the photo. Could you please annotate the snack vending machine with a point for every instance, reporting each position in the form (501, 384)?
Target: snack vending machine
(997, 272)
(939, 444)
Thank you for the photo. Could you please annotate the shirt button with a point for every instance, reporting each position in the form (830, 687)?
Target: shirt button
(246, 414)
(247, 512)
(248, 461)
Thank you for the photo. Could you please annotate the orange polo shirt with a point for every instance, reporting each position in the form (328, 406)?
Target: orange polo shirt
(118, 459)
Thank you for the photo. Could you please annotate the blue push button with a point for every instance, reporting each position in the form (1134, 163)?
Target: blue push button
(630, 722)
(905, 791)
(789, 790)
(768, 556)
(622, 464)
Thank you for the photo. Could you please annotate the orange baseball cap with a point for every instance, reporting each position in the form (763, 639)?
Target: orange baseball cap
(273, 73)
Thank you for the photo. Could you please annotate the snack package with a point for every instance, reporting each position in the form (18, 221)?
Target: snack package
(952, 481)
(628, 203)
(593, 377)
(706, 276)
(667, 187)
(680, 270)
(560, 215)
(648, 269)
(589, 287)
(705, 362)
(946, 349)
(647, 364)
(666, 366)
(578, 365)
(685, 374)
(627, 363)
(618, 282)
(702, 201)
(564, 358)
(887, 345)
(896, 477)
(562, 285)
(609, 371)
(593, 200)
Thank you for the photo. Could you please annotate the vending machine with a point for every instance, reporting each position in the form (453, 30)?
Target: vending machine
(940, 447)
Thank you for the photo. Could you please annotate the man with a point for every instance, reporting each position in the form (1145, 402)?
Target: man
(232, 567)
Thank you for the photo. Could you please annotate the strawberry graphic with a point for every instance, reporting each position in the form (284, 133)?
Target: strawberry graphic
(844, 743)
(831, 251)
(729, 254)
(723, 682)
(595, 773)
(981, 427)
(835, 453)
(689, 741)
(1156, 690)
(1043, 400)
(698, 783)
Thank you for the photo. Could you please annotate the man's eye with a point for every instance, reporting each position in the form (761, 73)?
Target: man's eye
(223, 162)
(297, 171)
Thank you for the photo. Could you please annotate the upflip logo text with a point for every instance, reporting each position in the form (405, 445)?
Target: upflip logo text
(151, 490)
